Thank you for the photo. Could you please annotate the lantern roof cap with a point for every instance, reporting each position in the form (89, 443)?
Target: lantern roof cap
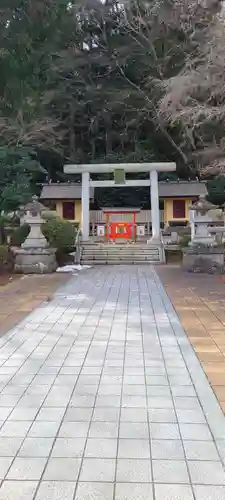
(202, 205)
(34, 206)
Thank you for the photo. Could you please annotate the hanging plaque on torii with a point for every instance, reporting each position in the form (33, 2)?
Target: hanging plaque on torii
(119, 176)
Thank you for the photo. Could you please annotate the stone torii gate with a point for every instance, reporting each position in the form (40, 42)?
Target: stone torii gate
(119, 170)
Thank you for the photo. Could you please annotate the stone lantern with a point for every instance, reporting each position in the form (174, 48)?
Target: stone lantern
(203, 255)
(32, 217)
(202, 222)
(34, 256)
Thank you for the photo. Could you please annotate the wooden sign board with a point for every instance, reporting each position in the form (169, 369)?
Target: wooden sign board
(119, 176)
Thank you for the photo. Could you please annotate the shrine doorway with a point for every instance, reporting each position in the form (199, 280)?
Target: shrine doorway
(121, 224)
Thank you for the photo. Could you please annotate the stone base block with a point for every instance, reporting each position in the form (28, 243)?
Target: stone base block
(156, 243)
(203, 260)
(35, 260)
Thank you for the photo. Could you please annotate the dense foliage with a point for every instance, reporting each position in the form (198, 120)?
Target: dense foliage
(60, 234)
(19, 235)
(6, 259)
(216, 191)
(18, 171)
(99, 81)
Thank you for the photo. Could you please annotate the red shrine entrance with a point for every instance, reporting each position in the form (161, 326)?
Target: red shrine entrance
(120, 229)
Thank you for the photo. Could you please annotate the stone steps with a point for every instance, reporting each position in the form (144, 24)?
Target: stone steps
(101, 253)
(132, 253)
(117, 262)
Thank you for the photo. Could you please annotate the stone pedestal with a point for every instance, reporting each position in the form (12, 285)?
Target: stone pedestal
(218, 233)
(202, 259)
(160, 246)
(34, 260)
(202, 230)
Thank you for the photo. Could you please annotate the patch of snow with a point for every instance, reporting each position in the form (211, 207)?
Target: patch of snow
(70, 268)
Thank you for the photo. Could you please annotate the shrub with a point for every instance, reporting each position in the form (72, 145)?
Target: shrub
(3, 253)
(19, 235)
(6, 258)
(60, 234)
(185, 240)
(49, 214)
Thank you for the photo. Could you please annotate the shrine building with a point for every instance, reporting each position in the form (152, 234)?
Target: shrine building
(176, 198)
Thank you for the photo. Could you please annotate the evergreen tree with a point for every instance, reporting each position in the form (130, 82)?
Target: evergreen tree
(94, 82)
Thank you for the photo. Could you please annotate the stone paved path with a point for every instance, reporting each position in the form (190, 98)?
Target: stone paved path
(103, 398)
(20, 297)
(199, 301)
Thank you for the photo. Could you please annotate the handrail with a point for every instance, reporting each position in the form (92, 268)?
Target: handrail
(77, 255)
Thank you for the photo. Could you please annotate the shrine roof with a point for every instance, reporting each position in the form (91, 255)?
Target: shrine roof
(120, 210)
(169, 189)
(63, 191)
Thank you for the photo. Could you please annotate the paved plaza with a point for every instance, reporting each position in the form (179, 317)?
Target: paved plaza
(103, 398)
(199, 301)
(23, 294)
